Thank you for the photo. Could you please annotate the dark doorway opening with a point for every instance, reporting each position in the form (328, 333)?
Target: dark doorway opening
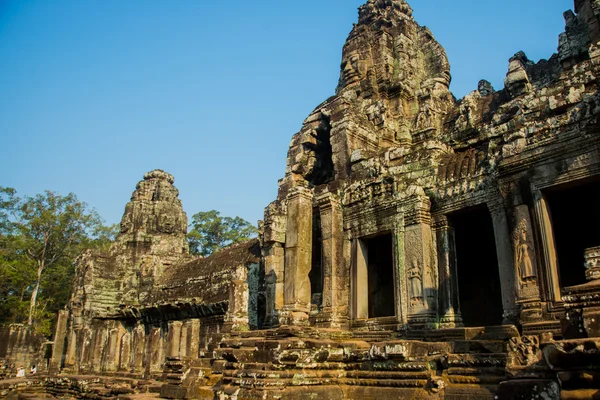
(479, 289)
(380, 267)
(316, 272)
(575, 214)
(324, 171)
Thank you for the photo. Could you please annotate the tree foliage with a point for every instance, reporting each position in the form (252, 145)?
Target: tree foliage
(40, 237)
(209, 232)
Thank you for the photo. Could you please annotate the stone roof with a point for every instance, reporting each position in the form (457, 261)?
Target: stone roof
(207, 279)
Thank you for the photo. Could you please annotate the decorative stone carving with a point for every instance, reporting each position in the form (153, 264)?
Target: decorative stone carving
(523, 254)
(525, 350)
(353, 70)
(592, 263)
(415, 277)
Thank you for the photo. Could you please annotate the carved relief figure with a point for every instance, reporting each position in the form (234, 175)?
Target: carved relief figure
(431, 278)
(524, 351)
(523, 255)
(416, 285)
(352, 69)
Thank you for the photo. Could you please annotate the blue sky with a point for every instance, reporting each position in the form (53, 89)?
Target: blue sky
(95, 93)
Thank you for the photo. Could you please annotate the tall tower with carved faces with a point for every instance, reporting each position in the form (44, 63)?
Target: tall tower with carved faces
(393, 91)
(396, 72)
(154, 220)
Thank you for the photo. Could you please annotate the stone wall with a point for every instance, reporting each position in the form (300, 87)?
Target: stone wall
(20, 346)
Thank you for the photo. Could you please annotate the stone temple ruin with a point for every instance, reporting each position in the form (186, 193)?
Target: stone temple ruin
(419, 247)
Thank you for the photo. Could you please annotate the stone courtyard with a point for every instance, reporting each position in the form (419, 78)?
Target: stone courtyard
(420, 246)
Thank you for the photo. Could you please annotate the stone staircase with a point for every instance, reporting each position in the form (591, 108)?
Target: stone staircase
(188, 378)
(366, 365)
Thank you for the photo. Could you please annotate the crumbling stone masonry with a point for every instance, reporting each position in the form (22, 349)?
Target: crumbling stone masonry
(419, 247)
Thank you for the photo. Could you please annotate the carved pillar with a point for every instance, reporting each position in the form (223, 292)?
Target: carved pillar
(298, 253)
(139, 342)
(125, 353)
(193, 338)
(87, 349)
(59, 341)
(183, 341)
(174, 338)
(421, 270)
(71, 356)
(274, 256)
(74, 339)
(154, 350)
(550, 280)
(274, 259)
(98, 348)
(449, 305)
(525, 265)
(345, 291)
(591, 258)
(237, 315)
(505, 261)
(111, 352)
(335, 308)
(360, 280)
(401, 294)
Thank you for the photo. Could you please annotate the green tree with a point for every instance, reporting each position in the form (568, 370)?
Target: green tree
(209, 232)
(40, 237)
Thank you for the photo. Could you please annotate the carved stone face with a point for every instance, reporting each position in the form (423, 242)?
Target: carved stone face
(523, 236)
(351, 68)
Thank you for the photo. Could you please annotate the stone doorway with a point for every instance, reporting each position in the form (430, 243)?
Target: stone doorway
(375, 277)
(479, 287)
(575, 217)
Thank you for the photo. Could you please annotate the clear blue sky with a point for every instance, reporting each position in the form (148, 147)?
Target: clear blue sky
(95, 93)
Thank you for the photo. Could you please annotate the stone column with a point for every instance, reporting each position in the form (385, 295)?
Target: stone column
(345, 292)
(74, 341)
(274, 259)
(71, 356)
(139, 342)
(154, 351)
(111, 354)
(193, 338)
(298, 253)
(59, 341)
(591, 311)
(591, 258)
(449, 304)
(335, 309)
(237, 314)
(98, 348)
(183, 341)
(401, 295)
(274, 256)
(505, 261)
(125, 353)
(174, 338)
(550, 280)
(421, 268)
(360, 280)
(87, 349)
(525, 265)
